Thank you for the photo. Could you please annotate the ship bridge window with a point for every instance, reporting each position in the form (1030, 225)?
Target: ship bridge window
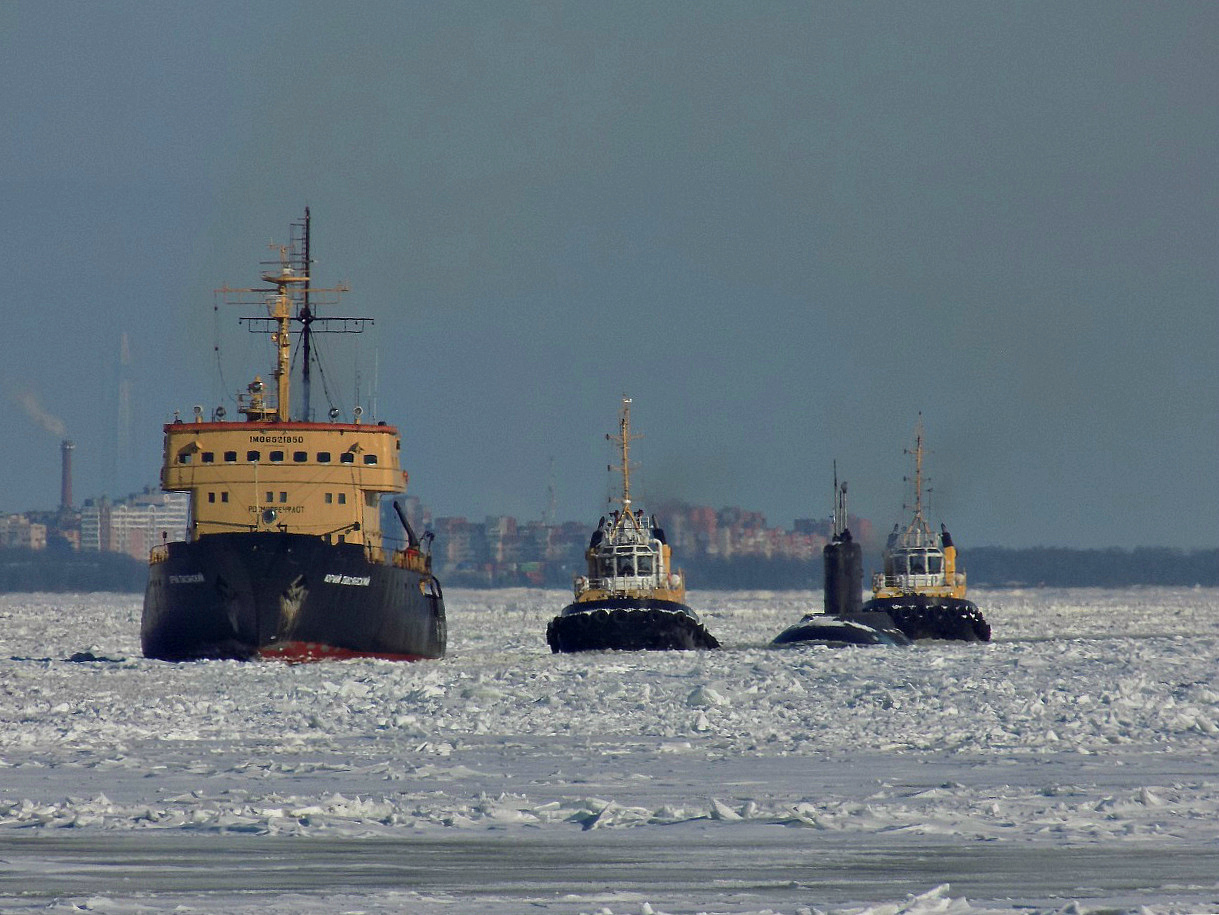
(211, 497)
(323, 457)
(283, 497)
(230, 457)
(347, 457)
(342, 498)
(300, 457)
(253, 456)
(643, 565)
(935, 563)
(918, 563)
(371, 499)
(370, 459)
(270, 496)
(184, 458)
(329, 498)
(209, 457)
(277, 457)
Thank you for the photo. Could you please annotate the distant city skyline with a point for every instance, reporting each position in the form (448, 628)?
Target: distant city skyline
(784, 229)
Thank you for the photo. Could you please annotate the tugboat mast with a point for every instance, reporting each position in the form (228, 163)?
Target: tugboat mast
(918, 470)
(624, 439)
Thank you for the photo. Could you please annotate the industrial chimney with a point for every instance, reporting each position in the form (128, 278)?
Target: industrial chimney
(65, 486)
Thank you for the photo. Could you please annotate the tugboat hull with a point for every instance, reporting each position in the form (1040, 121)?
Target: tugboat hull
(919, 616)
(287, 596)
(628, 624)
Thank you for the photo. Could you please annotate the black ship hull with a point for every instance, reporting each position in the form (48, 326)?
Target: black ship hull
(628, 624)
(922, 617)
(287, 596)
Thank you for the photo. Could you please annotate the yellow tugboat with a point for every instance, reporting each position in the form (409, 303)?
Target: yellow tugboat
(631, 599)
(922, 587)
(284, 557)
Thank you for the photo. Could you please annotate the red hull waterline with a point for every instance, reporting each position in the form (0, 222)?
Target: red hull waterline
(308, 652)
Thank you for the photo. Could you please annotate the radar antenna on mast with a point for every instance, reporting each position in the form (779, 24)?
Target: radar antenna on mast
(290, 299)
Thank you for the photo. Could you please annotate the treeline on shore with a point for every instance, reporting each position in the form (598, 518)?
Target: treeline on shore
(1053, 567)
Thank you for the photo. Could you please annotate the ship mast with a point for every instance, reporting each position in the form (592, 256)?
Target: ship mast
(306, 319)
(624, 439)
(918, 531)
(288, 300)
(918, 469)
(839, 516)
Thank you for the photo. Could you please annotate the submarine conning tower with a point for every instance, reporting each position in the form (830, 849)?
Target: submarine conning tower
(843, 559)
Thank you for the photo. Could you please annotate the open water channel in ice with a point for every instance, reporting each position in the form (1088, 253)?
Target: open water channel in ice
(1071, 765)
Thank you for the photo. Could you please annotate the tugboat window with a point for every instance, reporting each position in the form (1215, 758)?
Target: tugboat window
(323, 457)
(918, 564)
(211, 497)
(230, 457)
(277, 456)
(347, 457)
(370, 459)
(209, 457)
(645, 565)
(270, 497)
(283, 497)
(253, 456)
(329, 498)
(184, 458)
(224, 497)
(935, 564)
(300, 457)
(342, 498)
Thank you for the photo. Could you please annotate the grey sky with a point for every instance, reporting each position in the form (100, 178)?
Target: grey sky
(784, 229)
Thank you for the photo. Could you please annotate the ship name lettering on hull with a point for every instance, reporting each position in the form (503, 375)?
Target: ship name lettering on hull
(196, 578)
(362, 581)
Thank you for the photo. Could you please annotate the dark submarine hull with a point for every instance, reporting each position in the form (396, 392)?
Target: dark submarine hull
(628, 624)
(840, 631)
(287, 596)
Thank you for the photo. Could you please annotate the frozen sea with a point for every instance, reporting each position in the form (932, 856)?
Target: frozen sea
(1071, 765)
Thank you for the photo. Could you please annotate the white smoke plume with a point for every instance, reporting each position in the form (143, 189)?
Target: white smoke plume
(28, 401)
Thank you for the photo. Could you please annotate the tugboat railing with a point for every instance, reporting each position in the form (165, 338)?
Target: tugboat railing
(911, 582)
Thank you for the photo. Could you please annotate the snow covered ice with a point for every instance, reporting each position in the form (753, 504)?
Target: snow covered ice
(1068, 766)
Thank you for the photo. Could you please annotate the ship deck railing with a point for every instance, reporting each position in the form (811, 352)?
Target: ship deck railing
(910, 582)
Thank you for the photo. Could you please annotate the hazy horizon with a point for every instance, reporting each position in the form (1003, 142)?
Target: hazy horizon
(784, 230)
